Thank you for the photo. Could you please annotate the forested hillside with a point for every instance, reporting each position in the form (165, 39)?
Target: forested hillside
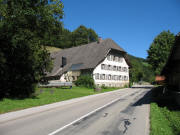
(64, 38)
(141, 70)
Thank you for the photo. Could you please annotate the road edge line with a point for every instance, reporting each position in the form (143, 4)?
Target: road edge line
(44, 109)
(99, 108)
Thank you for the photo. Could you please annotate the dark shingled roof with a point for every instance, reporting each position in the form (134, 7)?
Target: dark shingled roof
(83, 57)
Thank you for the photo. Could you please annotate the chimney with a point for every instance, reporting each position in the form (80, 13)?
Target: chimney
(99, 40)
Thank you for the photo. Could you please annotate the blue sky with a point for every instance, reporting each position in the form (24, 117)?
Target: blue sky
(132, 24)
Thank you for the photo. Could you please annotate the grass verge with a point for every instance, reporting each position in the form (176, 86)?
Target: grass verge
(47, 96)
(164, 117)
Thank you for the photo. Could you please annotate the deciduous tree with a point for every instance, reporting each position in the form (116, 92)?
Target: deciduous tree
(159, 50)
(83, 35)
(23, 58)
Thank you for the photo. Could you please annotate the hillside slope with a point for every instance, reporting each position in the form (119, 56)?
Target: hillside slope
(141, 70)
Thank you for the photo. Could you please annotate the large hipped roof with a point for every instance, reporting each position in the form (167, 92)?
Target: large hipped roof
(85, 56)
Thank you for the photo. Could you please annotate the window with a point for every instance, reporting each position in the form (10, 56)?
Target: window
(112, 57)
(113, 77)
(106, 67)
(119, 68)
(109, 57)
(110, 67)
(124, 69)
(120, 59)
(116, 77)
(116, 58)
(73, 78)
(124, 78)
(109, 77)
(114, 68)
(120, 77)
(103, 76)
(102, 66)
(106, 77)
(97, 76)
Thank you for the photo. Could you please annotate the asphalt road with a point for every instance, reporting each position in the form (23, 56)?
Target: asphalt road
(122, 112)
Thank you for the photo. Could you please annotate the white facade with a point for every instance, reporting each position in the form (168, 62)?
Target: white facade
(113, 71)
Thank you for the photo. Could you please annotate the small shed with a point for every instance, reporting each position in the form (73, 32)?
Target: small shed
(172, 68)
(160, 79)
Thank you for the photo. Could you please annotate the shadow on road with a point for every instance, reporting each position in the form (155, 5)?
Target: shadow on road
(158, 96)
(146, 99)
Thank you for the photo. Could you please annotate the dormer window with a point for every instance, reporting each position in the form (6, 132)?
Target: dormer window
(64, 61)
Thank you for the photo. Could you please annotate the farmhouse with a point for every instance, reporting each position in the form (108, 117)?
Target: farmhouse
(104, 60)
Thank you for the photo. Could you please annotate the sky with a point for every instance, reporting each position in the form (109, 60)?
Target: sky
(132, 24)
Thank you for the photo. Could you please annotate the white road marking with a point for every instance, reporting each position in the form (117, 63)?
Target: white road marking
(60, 129)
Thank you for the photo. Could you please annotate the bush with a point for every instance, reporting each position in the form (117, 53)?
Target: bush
(85, 81)
(126, 86)
(107, 87)
(104, 87)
